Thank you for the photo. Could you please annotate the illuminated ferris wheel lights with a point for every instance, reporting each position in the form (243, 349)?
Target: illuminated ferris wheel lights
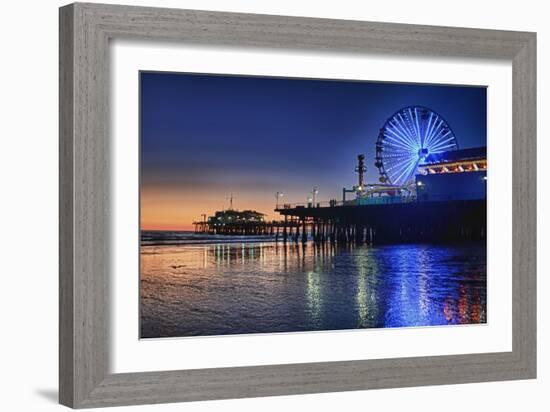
(406, 139)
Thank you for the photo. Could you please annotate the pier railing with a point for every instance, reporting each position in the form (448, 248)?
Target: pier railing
(382, 200)
(327, 203)
(385, 200)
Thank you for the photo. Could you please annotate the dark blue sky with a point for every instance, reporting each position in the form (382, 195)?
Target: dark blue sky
(258, 135)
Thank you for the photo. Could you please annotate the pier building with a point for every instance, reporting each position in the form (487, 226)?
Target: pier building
(234, 222)
(458, 174)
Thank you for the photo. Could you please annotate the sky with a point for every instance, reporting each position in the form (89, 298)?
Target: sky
(205, 137)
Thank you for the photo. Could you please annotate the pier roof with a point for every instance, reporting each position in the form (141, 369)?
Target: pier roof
(474, 153)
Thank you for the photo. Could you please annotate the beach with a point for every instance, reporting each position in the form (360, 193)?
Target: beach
(201, 285)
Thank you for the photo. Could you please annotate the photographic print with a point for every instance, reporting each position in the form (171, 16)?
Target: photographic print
(272, 205)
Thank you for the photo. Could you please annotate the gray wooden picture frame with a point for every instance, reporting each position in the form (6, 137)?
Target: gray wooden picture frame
(85, 31)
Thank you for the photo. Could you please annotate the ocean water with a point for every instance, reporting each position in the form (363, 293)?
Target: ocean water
(197, 285)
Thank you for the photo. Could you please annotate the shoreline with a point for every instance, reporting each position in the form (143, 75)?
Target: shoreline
(272, 241)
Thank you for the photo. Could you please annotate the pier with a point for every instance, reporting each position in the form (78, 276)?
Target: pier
(398, 222)
(445, 201)
(404, 220)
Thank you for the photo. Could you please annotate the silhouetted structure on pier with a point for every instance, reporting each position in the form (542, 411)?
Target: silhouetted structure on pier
(234, 222)
(242, 223)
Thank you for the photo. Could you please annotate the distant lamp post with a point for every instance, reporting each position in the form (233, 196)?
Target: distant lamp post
(419, 183)
(277, 196)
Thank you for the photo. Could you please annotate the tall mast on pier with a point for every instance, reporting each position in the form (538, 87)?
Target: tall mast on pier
(361, 169)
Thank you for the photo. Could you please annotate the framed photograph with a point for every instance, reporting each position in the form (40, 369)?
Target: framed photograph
(256, 205)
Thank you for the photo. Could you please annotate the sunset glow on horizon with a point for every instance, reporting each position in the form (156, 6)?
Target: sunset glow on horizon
(177, 210)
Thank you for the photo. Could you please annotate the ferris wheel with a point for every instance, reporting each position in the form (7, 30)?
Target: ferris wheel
(406, 139)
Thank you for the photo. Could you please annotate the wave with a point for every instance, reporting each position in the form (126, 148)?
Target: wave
(152, 238)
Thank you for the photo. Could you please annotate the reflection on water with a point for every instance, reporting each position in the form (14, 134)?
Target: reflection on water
(217, 289)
